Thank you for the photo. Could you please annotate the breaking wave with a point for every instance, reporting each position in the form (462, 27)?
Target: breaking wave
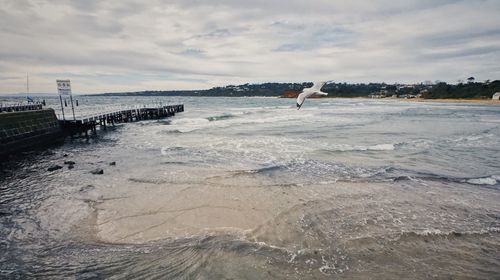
(491, 180)
(351, 148)
(221, 117)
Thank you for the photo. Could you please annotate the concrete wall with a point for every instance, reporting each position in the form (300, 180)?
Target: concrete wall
(27, 129)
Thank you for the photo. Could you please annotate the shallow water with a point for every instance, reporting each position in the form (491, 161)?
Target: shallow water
(251, 188)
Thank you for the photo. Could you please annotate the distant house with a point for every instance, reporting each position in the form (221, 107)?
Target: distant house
(376, 95)
(496, 96)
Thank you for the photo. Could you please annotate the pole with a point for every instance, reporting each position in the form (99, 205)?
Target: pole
(72, 107)
(27, 88)
(62, 107)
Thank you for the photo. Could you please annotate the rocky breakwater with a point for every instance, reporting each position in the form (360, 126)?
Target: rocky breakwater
(27, 129)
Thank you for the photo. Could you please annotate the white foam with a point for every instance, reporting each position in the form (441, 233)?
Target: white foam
(382, 147)
(427, 232)
(492, 180)
(347, 148)
(189, 121)
(192, 124)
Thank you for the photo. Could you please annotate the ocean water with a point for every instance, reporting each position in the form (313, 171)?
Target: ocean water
(251, 188)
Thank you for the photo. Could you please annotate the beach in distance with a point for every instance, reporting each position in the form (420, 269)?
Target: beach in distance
(251, 188)
(439, 100)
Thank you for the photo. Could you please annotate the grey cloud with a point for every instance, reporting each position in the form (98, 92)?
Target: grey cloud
(318, 37)
(456, 38)
(192, 52)
(453, 54)
(4, 78)
(218, 33)
(201, 43)
(91, 25)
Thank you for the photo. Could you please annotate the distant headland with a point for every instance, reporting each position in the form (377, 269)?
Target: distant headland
(427, 90)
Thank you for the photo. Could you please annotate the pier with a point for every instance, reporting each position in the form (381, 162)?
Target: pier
(20, 108)
(25, 127)
(86, 124)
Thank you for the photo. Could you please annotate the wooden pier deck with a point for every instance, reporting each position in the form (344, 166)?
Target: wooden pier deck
(84, 124)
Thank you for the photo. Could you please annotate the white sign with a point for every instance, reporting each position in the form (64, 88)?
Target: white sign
(63, 87)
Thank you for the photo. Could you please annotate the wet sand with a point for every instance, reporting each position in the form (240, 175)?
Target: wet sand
(148, 209)
(438, 230)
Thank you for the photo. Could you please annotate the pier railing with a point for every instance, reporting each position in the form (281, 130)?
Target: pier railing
(20, 107)
(89, 122)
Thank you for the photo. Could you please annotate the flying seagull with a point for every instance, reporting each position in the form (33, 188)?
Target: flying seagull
(307, 92)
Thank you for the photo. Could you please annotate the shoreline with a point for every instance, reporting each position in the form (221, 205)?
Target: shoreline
(452, 100)
(439, 100)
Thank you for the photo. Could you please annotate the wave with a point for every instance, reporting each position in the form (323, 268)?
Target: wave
(441, 233)
(491, 180)
(170, 131)
(483, 181)
(360, 148)
(148, 181)
(328, 172)
(189, 121)
(185, 125)
(221, 117)
(486, 138)
(312, 171)
(407, 175)
(167, 150)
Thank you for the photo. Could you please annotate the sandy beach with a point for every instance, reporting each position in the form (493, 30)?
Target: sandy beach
(450, 100)
(472, 101)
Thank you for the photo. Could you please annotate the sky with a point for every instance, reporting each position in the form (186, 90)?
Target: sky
(129, 45)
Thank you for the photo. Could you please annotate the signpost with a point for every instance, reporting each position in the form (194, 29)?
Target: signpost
(64, 88)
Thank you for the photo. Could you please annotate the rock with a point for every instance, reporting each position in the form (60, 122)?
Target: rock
(55, 167)
(97, 171)
(69, 162)
(4, 212)
(112, 163)
(65, 155)
(71, 166)
(87, 188)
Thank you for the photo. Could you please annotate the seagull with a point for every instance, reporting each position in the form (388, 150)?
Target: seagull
(307, 92)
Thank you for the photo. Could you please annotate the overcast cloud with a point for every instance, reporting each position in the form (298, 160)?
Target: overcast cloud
(128, 45)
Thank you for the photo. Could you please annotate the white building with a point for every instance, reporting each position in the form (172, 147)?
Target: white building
(496, 96)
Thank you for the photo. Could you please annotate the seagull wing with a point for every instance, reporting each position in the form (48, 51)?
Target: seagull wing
(321, 93)
(317, 86)
(315, 89)
(302, 97)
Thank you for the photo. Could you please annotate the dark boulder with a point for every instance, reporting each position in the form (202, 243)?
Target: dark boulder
(71, 166)
(97, 171)
(55, 167)
(112, 163)
(69, 162)
(5, 212)
(87, 188)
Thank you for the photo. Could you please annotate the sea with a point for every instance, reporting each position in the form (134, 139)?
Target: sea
(252, 188)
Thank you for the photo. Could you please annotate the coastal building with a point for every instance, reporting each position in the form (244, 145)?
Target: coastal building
(496, 96)
(376, 95)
